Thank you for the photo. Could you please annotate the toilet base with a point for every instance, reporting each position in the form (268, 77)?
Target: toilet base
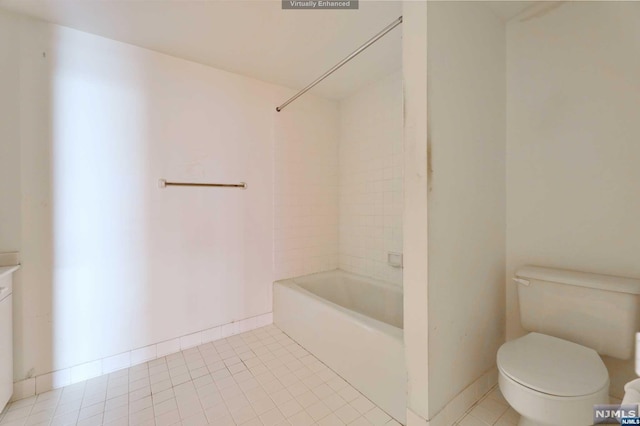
(529, 422)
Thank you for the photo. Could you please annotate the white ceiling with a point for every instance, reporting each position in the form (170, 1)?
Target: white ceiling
(509, 9)
(253, 38)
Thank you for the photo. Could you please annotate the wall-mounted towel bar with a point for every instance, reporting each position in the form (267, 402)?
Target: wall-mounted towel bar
(162, 183)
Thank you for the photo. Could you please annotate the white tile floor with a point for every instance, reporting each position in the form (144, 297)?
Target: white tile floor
(261, 377)
(492, 409)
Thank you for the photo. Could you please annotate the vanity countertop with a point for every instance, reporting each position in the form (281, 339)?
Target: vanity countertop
(5, 270)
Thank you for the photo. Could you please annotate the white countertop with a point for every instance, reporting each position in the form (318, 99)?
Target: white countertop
(5, 270)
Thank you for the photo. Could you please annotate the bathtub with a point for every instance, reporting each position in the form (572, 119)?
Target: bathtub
(354, 325)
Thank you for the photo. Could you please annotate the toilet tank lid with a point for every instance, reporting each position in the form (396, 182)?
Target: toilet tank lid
(581, 279)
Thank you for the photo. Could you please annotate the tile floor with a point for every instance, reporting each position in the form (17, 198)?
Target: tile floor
(261, 377)
(492, 409)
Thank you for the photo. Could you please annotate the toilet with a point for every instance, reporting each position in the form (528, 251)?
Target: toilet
(554, 374)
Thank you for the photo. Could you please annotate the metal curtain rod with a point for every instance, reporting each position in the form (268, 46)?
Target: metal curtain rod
(162, 183)
(344, 61)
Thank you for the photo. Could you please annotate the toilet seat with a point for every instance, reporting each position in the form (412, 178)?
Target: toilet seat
(550, 381)
(552, 366)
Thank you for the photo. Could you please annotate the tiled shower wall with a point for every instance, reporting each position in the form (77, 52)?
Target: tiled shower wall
(338, 183)
(306, 187)
(371, 174)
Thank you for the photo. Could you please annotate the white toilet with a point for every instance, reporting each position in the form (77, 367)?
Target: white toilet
(554, 375)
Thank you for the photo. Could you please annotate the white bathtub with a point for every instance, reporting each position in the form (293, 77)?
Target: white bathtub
(354, 325)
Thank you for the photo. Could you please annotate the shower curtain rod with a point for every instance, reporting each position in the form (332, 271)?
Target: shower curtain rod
(344, 61)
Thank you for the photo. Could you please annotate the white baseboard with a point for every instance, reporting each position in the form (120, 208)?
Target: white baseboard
(78, 373)
(458, 406)
(414, 419)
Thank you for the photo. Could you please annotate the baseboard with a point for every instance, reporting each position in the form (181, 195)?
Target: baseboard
(414, 419)
(79, 373)
(458, 406)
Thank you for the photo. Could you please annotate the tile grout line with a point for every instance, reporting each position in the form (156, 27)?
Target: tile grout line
(276, 358)
(236, 327)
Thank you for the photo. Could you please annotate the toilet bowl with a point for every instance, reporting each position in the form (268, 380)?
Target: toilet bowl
(551, 381)
(553, 375)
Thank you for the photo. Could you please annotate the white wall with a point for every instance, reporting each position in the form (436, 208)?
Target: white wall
(111, 262)
(306, 186)
(466, 98)
(371, 173)
(573, 97)
(415, 272)
(9, 134)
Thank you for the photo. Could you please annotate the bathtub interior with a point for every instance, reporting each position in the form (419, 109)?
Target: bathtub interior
(373, 298)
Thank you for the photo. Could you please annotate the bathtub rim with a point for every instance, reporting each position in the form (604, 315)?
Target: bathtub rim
(364, 320)
(376, 281)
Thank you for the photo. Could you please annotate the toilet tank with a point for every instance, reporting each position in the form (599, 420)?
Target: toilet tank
(598, 311)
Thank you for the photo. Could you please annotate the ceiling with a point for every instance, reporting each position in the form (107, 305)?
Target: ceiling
(255, 38)
(249, 37)
(509, 9)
